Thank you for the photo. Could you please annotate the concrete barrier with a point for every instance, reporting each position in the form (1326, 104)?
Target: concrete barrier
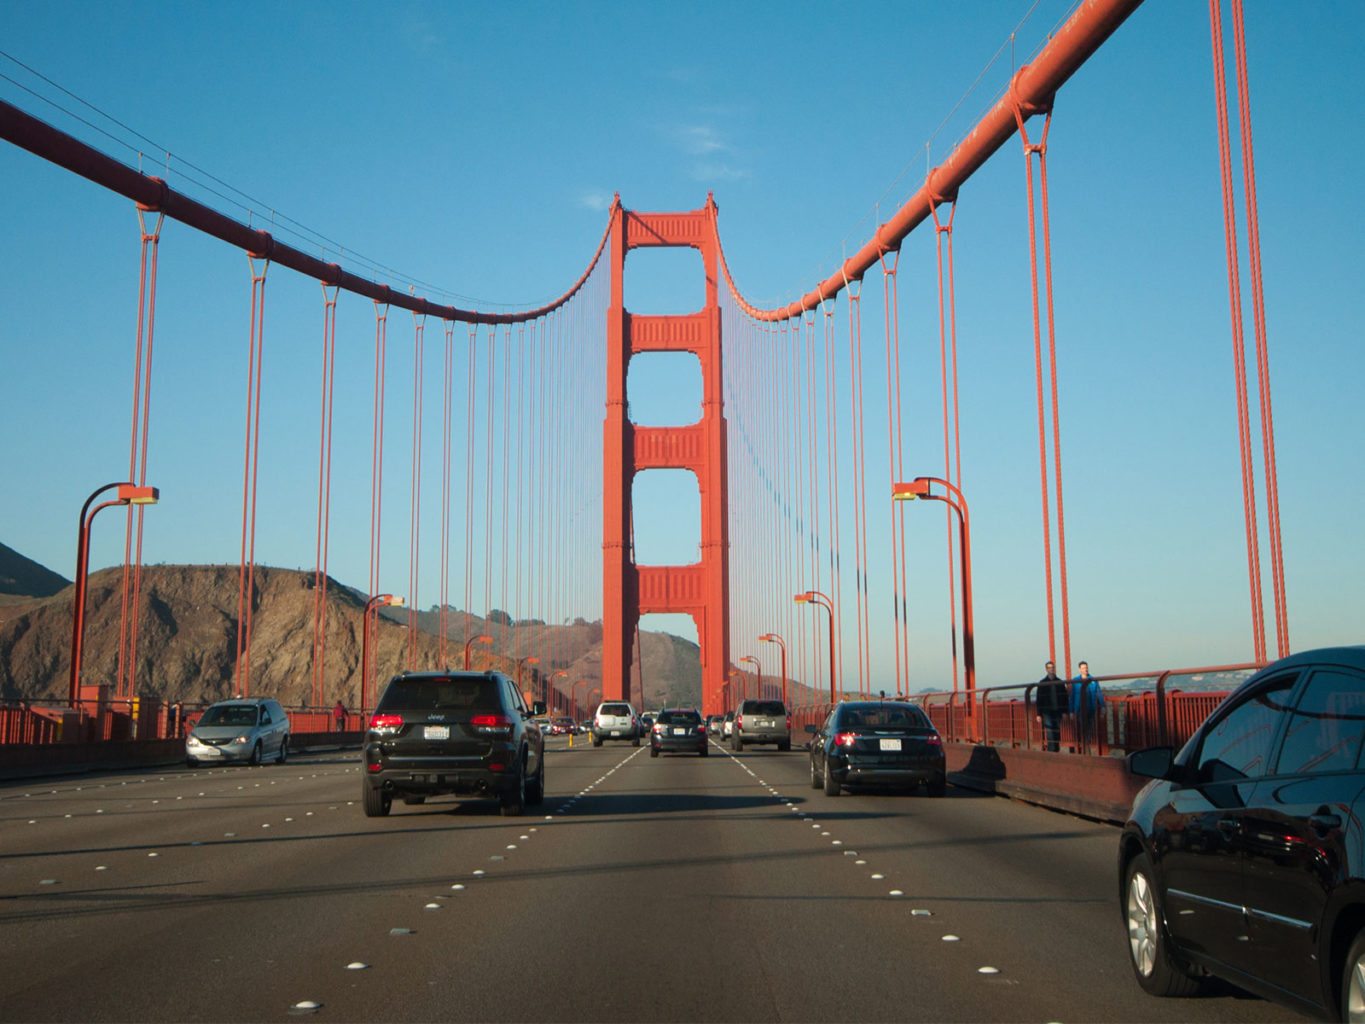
(1094, 787)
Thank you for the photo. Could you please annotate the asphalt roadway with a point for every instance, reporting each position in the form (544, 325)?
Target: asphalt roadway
(669, 889)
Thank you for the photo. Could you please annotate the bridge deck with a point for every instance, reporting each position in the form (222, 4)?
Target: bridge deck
(673, 889)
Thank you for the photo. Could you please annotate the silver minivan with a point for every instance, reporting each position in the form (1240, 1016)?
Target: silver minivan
(253, 730)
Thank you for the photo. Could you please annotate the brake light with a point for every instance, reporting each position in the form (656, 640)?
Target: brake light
(739, 721)
(386, 725)
(789, 723)
(701, 729)
(934, 741)
(497, 725)
(658, 728)
(845, 739)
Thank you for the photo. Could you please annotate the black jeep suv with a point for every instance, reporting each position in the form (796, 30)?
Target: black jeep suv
(453, 732)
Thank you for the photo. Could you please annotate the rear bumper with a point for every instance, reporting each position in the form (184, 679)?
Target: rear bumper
(616, 734)
(886, 775)
(435, 781)
(764, 735)
(687, 744)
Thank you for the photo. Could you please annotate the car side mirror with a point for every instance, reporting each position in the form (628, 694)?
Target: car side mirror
(813, 730)
(1152, 763)
(537, 707)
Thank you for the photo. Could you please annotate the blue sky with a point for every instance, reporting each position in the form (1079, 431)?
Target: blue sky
(477, 147)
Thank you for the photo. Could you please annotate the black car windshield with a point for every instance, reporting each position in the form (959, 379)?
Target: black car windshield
(763, 707)
(479, 693)
(883, 716)
(230, 714)
(679, 718)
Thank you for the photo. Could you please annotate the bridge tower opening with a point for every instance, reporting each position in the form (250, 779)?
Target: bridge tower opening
(701, 589)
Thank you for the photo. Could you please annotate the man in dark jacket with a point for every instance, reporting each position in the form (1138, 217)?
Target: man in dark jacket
(1051, 699)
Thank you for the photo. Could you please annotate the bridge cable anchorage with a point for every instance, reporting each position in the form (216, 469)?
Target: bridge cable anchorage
(258, 264)
(131, 589)
(371, 626)
(1021, 110)
(947, 325)
(329, 307)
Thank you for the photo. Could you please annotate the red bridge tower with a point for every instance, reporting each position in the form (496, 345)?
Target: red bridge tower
(701, 590)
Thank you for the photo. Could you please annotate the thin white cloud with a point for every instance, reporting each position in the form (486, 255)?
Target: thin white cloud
(595, 199)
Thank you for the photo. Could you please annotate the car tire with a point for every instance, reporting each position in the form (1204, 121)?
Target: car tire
(535, 789)
(191, 763)
(284, 751)
(784, 745)
(1156, 970)
(831, 787)
(514, 800)
(705, 751)
(1353, 981)
(377, 802)
(815, 782)
(635, 742)
(414, 801)
(596, 742)
(256, 754)
(938, 787)
(653, 752)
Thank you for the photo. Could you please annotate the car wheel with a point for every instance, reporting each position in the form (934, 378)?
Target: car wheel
(784, 745)
(635, 742)
(256, 753)
(414, 801)
(596, 742)
(377, 802)
(535, 790)
(937, 787)
(1353, 982)
(1156, 970)
(814, 776)
(191, 763)
(831, 787)
(284, 751)
(653, 751)
(705, 751)
(514, 799)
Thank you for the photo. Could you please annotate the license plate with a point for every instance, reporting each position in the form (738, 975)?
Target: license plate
(616, 732)
(436, 732)
(679, 732)
(889, 744)
(211, 752)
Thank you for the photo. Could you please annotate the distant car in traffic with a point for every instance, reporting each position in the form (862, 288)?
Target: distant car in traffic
(646, 724)
(727, 725)
(762, 721)
(561, 726)
(1244, 857)
(679, 730)
(876, 744)
(467, 733)
(251, 729)
(713, 724)
(615, 720)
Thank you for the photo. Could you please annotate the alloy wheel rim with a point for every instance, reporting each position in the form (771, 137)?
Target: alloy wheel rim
(1355, 992)
(1142, 924)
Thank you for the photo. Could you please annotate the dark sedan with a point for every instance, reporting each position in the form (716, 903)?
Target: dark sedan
(678, 730)
(1245, 857)
(877, 744)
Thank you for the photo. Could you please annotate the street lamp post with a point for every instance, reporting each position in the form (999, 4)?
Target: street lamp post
(371, 607)
(815, 597)
(758, 666)
(529, 660)
(482, 638)
(919, 488)
(555, 692)
(773, 638)
(127, 494)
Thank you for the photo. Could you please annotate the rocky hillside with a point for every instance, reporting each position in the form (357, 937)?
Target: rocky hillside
(187, 640)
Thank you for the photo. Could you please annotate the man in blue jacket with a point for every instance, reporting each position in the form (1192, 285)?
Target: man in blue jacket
(1087, 701)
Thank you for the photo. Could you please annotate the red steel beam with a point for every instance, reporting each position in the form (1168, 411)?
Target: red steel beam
(52, 144)
(1032, 89)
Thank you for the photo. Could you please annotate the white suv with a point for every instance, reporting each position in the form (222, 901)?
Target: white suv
(615, 720)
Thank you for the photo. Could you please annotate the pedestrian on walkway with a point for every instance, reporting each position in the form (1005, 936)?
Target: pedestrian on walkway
(1050, 699)
(1087, 701)
(339, 714)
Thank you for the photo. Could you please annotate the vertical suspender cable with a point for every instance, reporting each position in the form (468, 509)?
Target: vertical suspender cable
(891, 316)
(1272, 487)
(246, 575)
(329, 308)
(832, 470)
(381, 320)
(488, 477)
(855, 328)
(415, 512)
(943, 231)
(446, 395)
(471, 401)
(817, 669)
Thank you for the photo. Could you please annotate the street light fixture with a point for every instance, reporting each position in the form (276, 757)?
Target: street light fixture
(529, 660)
(773, 638)
(759, 667)
(817, 598)
(482, 638)
(920, 488)
(366, 618)
(127, 494)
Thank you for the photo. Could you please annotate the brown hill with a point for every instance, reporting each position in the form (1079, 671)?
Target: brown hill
(22, 576)
(188, 637)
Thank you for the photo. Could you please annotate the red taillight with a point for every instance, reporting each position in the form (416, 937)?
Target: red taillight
(386, 723)
(375, 767)
(789, 723)
(500, 724)
(701, 729)
(845, 739)
(496, 766)
(934, 741)
(659, 729)
(739, 721)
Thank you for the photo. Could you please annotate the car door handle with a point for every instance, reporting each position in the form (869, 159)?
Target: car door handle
(1323, 823)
